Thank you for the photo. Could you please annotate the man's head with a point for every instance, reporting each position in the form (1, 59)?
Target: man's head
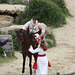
(34, 19)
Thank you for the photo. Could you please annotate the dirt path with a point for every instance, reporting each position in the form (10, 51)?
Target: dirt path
(62, 57)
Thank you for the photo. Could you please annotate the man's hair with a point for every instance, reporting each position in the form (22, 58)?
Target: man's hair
(34, 18)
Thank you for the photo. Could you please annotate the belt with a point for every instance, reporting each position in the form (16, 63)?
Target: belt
(35, 64)
(41, 55)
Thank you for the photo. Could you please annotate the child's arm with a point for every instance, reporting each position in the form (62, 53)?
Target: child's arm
(33, 50)
(3, 43)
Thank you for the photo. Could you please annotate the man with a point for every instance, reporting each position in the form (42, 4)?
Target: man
(34, 26)
(2, 44)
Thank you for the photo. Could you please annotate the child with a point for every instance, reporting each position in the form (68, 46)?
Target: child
(41, 64)
(2, 44)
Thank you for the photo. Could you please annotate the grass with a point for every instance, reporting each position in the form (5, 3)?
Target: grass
(17, 1)
(7, 60)
(51, 42)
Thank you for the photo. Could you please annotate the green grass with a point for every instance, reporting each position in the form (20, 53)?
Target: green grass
(7, 60)
(50, 40)
(17, 1)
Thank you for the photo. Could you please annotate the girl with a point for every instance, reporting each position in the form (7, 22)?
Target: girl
(41, 64)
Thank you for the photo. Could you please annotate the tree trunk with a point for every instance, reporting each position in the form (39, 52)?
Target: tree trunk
(11, 1)
(29, 1)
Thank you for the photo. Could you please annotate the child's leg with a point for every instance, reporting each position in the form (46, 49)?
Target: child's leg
(3, 51)
(4, 54)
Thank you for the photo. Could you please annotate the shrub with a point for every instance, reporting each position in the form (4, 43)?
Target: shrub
(62, 5)
(49, 13)
(17, 1)
(3, 1)
(51, 42)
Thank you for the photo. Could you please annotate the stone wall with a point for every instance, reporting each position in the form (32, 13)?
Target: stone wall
(6, 21)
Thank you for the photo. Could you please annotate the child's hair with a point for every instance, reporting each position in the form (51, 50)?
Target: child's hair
(43, 45)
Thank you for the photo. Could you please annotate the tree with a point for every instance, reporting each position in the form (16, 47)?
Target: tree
(11, 1)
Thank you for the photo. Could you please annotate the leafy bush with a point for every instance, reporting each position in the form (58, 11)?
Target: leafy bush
(7, 60)
(62, 5)
(3, 1)
(17, 1)
(20, 2)
(49, 13)
(51, 42)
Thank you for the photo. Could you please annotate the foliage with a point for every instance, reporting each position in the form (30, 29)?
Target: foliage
(51, 42)
(1, 33)
(20, 2)
(62, 5)
(3, 1)
(47, 12)
(17, 1)
(3, 60)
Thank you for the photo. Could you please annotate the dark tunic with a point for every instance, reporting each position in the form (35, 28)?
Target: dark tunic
(3, 43)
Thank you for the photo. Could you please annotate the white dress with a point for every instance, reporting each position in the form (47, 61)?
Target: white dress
(42, 62)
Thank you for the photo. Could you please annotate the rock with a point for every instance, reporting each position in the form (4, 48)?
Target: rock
(11, 28)
(7, 25)
(6, 21)
(49, 29)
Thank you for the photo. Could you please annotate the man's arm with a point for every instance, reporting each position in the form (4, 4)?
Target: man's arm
(33, 50)
(26, 25)
(42, 27)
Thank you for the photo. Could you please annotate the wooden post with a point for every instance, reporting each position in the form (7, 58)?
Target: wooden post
(11, 1)
(58, 73)
(30, 1)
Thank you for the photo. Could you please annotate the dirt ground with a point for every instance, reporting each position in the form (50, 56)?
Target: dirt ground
(61, 57)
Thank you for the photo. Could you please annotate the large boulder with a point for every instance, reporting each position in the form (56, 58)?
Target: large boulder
(6, 21)
(11, 28)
